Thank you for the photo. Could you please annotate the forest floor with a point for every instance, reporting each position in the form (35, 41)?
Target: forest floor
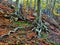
(25, 36)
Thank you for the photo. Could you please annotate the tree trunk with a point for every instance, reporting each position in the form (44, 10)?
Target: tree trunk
(39, 11)
(34, 5)
(27, 4)
(17, 8)
(54, 1)
(38, 18)
(30, 3)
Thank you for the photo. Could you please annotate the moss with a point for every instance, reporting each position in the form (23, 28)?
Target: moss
(44, 35)
(22, 23)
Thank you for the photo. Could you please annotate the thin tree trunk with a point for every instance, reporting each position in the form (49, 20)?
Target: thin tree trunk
(54, 1)
(39, 21)
(30, 3)
(53, 5)
(34, 5)
(16, 4)
(39, 11)
(27, 4)
(17, 7)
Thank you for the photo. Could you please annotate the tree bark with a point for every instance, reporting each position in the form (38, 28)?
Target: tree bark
(34, 5)
(27, 4)
(38, 18)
